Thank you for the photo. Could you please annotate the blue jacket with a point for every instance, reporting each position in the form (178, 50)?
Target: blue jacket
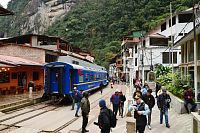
(114, 99)
(77, 97)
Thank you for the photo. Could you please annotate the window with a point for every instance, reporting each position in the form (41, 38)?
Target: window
(158, 41)
(163, 27)
(80, 78)
(91, 77)
(185, 18)
(135, 61)
(95, 77)
(50, 58)
(173, 21)
(165, 57)
(191, 50)
(87, 77)
(75, 62)
(35, 76)
(4, 77)
(135, 48)
(14, 76)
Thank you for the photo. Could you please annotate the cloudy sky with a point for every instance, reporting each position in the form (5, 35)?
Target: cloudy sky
(4, 3)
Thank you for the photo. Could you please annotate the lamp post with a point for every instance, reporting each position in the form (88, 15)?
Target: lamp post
(131, 67)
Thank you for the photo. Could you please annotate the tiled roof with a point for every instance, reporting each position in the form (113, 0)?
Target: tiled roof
(17, 61)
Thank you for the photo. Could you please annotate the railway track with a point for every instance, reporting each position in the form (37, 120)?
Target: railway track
(25, 119)
(94, 103)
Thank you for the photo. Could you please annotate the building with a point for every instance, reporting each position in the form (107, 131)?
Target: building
(132, 42)
(188, 53)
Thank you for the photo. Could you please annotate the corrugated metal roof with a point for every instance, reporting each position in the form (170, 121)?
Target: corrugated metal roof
(17, 61)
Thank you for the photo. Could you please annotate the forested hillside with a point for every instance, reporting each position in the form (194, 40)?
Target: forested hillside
(94, 25)
(99, 25)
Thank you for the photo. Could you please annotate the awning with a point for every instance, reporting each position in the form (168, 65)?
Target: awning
(17, 61)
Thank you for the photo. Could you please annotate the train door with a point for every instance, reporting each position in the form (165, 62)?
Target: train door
(72, 78)
(57, 79)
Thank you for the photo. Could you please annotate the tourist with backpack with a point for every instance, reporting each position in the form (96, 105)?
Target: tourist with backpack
(141, 110)
(106, 119)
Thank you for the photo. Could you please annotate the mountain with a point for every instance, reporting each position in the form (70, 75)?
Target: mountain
(94, 25)
(33, 16)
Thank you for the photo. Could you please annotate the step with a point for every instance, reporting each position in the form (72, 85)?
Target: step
(20, 104)
(13, 103)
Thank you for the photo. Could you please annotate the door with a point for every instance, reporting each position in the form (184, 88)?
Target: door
(56, 79)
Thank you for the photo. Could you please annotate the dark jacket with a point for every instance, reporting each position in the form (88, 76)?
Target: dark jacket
(122, 99)
(188, 96)
(149, 100)
(114, 99)
(85, 106)
(140, 119)
(163, 101)
(103, 120)
(77, 96)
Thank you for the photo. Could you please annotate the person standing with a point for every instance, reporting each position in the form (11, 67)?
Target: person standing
(158, 87)
(189, 99)
(73, 99)
(163, 103)
(85, 107)
(103, 119)
(24, 84)
(115, 102)
(77, 97)
(140, 111)
(122, 99)
(150, 101)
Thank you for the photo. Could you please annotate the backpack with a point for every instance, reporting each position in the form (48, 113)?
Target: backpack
(112, 117)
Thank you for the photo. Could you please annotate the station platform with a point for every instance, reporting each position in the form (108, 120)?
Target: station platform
(10, 100)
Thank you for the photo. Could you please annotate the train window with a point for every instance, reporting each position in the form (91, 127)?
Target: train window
(80, 78)
(91, 77)
(86, 77)
(95, 77)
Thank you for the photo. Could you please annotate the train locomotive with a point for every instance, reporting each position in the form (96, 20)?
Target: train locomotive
(69, 72)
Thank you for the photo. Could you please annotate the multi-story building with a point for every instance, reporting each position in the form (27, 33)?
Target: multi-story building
(130, 42)
(188, 52)
(155, 47)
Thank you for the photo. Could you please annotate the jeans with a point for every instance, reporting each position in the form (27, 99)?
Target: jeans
(192, 104)
(77, 107)
(166, 117)
(149, 117)
(115, 109)
(121, 109)
(73, 103)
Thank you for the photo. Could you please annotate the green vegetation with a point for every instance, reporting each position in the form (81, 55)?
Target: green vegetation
(99, 25)
(94, 25)
(173, 82)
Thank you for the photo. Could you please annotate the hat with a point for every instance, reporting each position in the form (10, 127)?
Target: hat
(75, 88)
(137, 96)
(102, 103)
(164, 89)
(85, 94)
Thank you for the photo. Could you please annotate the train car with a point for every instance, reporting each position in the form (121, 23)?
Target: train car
(62, 77)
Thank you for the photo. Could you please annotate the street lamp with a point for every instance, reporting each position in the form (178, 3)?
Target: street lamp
(131, 67)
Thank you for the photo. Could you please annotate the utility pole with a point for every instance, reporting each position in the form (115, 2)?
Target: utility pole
(151, 67)
(195, 52)
(142, 61)
(172, 43)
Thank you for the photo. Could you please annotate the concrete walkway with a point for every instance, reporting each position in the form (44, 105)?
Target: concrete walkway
(179, 123)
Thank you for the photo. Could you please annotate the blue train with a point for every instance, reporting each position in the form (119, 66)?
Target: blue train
(62, 76)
